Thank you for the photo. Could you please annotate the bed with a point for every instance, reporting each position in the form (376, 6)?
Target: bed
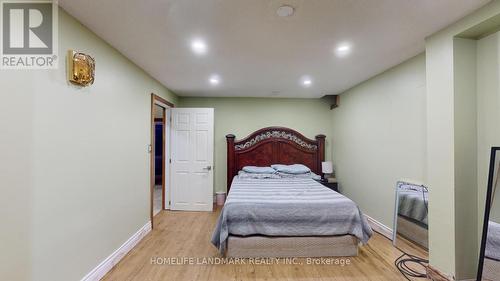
(412, 214)
(284, 217)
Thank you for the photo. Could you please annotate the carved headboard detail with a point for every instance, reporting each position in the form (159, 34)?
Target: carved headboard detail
(273, 145)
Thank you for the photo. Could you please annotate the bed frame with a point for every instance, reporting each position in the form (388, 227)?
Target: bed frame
(273, 145)
(278, 145)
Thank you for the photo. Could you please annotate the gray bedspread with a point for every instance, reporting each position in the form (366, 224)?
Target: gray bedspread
(493, 241)
(287, 207)
(413, 206)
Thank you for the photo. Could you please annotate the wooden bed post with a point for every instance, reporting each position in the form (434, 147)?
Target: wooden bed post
(321, 148)
(230, 160)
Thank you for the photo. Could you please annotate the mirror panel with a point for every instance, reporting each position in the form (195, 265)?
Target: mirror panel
(411, 218)
(489, 265)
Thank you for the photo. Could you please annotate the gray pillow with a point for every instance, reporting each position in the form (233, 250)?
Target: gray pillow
(245, 175)
(309, 175)
(259, 170)
(291, 169)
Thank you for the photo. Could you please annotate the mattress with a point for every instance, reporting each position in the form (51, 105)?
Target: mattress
(287, 207)
(281, 247)
(413, 205)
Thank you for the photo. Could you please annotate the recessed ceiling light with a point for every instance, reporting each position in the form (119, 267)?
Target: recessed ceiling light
(306, 81)
(343, 49)
(214, 80)
(198, 46)
(285, 11)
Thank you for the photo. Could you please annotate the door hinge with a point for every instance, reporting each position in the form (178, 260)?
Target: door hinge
(170, 161)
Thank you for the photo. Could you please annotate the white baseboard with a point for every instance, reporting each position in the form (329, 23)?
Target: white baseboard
(379, 227)
(106, 265)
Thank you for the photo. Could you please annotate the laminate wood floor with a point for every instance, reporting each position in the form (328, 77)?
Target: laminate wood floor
(187, 235)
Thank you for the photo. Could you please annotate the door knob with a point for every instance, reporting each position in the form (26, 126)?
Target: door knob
(208, 168)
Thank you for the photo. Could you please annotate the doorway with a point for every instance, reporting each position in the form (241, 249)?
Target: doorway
(192, 156)
(159, 159)
(160, 155)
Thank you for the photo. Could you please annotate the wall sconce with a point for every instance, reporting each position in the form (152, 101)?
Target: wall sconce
(81, 68)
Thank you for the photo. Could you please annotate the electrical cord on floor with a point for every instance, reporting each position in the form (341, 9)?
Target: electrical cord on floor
(402, 264)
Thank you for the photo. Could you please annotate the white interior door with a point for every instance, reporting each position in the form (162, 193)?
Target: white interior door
(192, 159)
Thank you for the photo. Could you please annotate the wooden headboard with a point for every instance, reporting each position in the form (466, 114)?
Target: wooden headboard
(273, 145)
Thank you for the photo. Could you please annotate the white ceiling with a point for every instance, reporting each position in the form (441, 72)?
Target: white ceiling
(258, 54)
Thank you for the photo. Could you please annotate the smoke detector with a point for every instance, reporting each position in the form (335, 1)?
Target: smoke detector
(285, 11)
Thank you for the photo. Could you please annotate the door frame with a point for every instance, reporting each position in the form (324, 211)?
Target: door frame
(157, 100)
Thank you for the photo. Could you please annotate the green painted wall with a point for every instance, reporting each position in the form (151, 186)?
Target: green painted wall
(242, 116)
(443, 89)
(379, 136)
(488, 95)
(465, 175)
(16, 170)
(440, 151)
(74, 169)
